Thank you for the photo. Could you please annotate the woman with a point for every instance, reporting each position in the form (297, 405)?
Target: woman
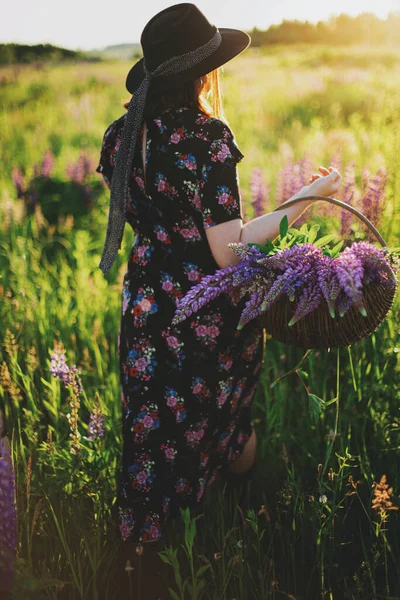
(171, 165)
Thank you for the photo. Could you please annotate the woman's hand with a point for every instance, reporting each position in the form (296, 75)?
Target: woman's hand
(325, 183)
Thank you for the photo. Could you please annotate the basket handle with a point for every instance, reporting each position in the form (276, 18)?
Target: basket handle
(339, 203)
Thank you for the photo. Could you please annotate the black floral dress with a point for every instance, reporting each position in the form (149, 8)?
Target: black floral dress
(186, 390)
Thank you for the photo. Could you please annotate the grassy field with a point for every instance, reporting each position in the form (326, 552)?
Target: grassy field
(328, 423)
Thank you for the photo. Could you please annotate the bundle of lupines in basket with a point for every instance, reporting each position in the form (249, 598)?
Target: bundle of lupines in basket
(304, 272)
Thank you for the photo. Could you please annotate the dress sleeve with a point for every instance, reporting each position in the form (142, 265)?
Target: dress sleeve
(220, 196)
(109, 147)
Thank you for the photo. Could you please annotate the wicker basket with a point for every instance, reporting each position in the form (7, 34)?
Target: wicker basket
(318, 329)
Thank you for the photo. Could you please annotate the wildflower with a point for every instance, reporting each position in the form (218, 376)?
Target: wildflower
(353, 484)
(217, 556)
(259, 193)
(19, 182)
(8, 519)
(68, 375)
(71, 379)
(300, 271)
(381, 502)
(96, 426)
(323, 499)
(349, 181)
(47, 163)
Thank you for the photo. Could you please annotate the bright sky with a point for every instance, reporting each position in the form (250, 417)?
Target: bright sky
(87, 24)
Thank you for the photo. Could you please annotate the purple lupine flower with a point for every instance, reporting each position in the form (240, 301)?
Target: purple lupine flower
(212, 286)
(372, 202)
(19, 182)
(79, 171)
(259, 192)
(349, 181)
(343, 303)
(376, 267)
(70, 376)
(252, 308)
(283, 184)
(47, 163)
(250, 253)
(349, 271)
(8, 519)
(305, 169)
(96, 425)
(58, 364)
(328, 282)
(309, 300)
(301, 271)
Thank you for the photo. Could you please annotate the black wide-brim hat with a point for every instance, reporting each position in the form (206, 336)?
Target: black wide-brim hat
(177, 30)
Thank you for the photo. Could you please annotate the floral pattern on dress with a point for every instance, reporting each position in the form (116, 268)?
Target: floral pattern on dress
(143, 306)
(186, 161)
(171, 287)
(141, 473)
(170, 451)
(193, 272)
(195, 433)
(188, 230)
(163, 237)
(164, 186)
(175, 346)
(175, 403)
(224, 390)
(142, 252)
(186, 391)
(207, 328)
(227, 199)
(147, 419)
(200, 389)
(141, 361)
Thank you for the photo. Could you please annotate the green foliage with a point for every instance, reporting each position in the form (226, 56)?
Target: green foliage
(290, 236)
(319, 416)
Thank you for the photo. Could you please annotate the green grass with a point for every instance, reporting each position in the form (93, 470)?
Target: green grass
(338, 408)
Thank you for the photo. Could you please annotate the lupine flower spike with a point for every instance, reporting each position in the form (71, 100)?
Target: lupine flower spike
(302, 271)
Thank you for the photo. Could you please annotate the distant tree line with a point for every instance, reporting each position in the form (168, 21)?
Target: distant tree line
(23, 53)
(366, 28)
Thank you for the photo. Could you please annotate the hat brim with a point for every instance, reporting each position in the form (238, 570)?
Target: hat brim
(233, 42)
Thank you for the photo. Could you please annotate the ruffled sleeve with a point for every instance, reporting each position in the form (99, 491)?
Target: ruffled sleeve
(109, 148)
(220, 196)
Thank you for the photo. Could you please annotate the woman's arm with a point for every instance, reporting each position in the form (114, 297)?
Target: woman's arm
(266, 226)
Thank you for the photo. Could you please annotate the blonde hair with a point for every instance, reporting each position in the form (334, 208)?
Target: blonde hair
(204, 93)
